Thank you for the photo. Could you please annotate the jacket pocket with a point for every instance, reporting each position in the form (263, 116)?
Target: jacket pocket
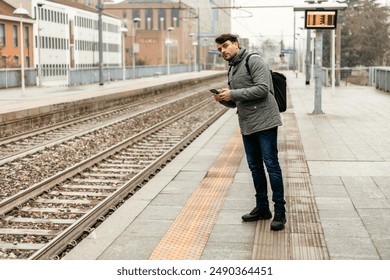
(250, 109)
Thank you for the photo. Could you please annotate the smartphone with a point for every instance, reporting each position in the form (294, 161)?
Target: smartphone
(213, 90)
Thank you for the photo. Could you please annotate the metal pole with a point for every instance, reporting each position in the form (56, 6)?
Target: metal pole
(123, 55)
(132, 47)
(195, 57)
(318, 73)
(100, 26)
(333, 48)
(22, 53)
(192, 50)
(39, 45)
(189, 52)
(308, 57)
(205, 55)
(134, 21)
(337, 53)
(313, 47)
(198, 49)
(21, 12)
(168, 43)
(294, 59)
(333, 58)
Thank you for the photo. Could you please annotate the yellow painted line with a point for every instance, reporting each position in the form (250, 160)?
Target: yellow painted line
(188, 235)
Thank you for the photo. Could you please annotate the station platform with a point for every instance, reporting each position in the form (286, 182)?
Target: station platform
(336, 169)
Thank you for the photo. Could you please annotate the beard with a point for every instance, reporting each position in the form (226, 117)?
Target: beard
(228, 57)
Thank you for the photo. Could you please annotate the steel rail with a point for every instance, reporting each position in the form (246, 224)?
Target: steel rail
(65, 124)
(23, 196)
(61, 242)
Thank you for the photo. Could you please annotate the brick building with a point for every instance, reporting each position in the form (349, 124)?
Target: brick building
(10, 38)
(188, 26)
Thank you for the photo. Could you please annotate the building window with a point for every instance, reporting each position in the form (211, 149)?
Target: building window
(15, 42)
(136, 13)
(2, 35)
(149, 19)
(162, 19)
(26, 37)
(175, 18)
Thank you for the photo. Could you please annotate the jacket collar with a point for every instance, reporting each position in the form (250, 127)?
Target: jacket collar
(239, 57)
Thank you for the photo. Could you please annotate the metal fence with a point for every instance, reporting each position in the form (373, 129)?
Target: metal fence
(364, 76)
(91, 75)
(347, 75)
(12, 77)
(382, 78)
(81, 76)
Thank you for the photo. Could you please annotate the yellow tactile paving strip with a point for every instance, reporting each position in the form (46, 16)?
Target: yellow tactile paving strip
(303, 237)
(191, 229)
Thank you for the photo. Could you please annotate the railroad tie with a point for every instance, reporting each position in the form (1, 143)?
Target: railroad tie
(188, 235)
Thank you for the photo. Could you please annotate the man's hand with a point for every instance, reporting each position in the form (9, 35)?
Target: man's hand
(224, 95)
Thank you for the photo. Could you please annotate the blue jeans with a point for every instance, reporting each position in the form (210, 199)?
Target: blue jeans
(262, 147)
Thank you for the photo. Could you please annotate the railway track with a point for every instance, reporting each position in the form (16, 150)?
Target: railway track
(18, 146)
(45, 220)
(19, 174)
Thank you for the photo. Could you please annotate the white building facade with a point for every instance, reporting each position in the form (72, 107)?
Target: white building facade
(66, 36)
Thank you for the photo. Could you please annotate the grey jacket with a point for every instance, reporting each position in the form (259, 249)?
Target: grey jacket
(251, 94)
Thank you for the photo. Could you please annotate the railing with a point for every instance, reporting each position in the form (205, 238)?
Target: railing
(364, 76)
(382, 78)
(347, 75)
(11, 77)
(84, 76)
(80, 76)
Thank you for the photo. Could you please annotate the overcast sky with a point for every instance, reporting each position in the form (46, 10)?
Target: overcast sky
(263, 23)
(269, 23)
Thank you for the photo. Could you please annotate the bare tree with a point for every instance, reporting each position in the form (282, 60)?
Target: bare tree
(364, 34)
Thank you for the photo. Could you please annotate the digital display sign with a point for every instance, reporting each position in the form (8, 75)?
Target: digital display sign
(315, 19)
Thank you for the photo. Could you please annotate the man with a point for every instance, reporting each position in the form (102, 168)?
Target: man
(259, 119)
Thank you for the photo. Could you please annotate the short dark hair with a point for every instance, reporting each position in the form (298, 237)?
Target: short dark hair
(226, 37)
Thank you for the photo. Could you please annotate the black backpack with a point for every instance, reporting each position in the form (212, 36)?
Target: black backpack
(280, 86)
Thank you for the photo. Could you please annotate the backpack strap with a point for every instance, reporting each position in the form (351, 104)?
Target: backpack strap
(247, 60)
(248, 69)
(246, 64)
